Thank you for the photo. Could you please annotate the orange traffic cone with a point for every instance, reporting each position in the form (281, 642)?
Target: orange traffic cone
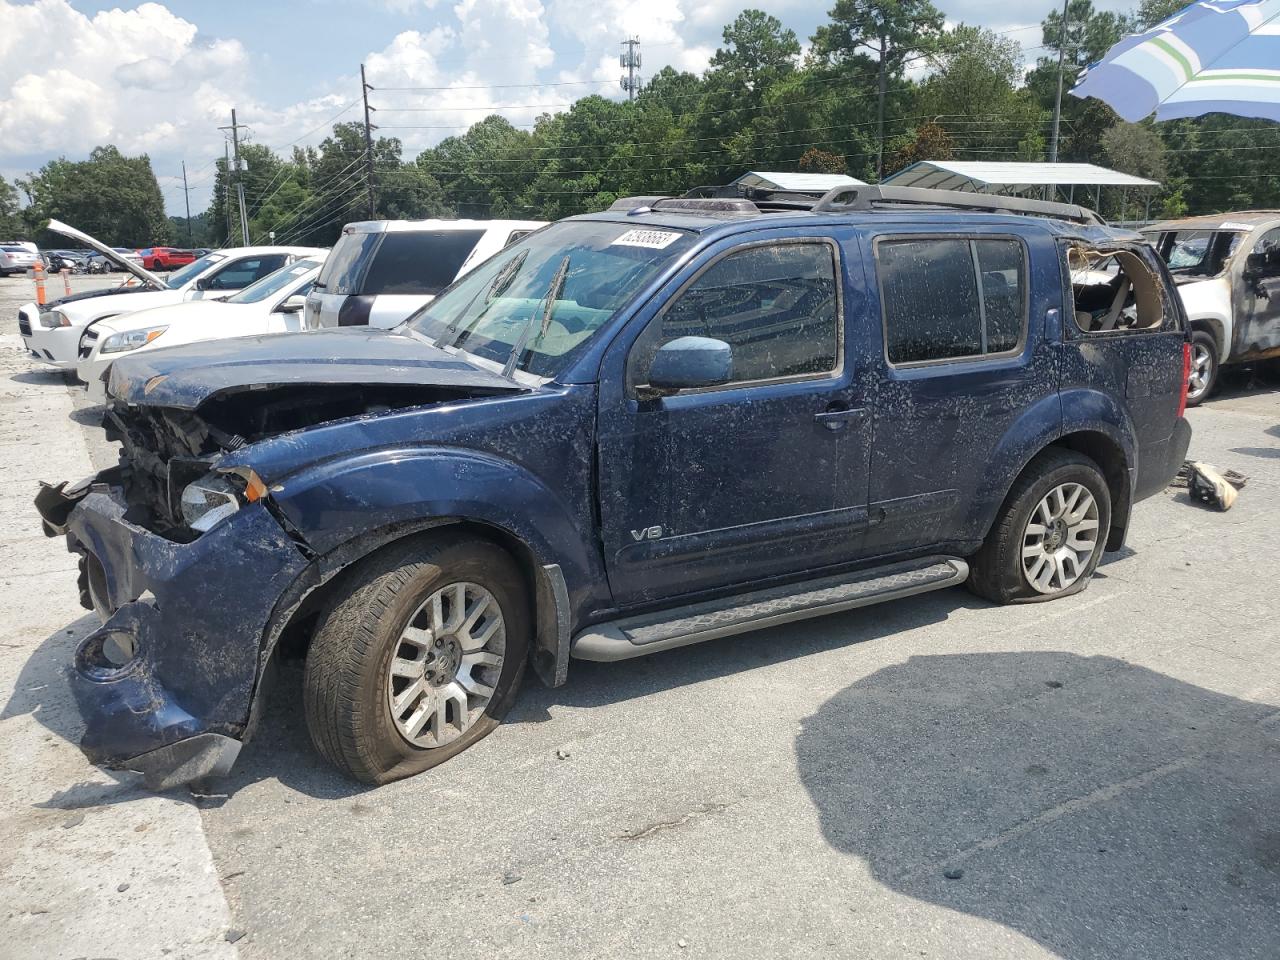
(38, 271)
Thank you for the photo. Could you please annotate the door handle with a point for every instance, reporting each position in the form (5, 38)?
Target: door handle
(837, 418)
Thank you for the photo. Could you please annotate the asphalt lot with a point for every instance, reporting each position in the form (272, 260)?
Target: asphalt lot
(1096, 777)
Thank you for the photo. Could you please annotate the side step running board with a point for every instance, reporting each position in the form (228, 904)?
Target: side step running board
(650, 633)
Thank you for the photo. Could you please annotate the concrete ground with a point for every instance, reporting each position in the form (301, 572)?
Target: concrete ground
(1093, 778)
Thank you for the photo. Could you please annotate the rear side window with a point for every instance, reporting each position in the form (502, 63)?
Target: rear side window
(951, 298)
(416, 262)
(1114, 291)
(345, 263)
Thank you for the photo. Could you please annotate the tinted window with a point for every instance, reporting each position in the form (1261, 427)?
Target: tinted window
(241, 273)
(179, 278)
(346, 262)
(415, 262)
(774, 305)
(946, 299)
(930, 300)
(1003, 275)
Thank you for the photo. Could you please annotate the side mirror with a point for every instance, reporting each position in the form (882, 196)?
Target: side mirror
(204, 284)
(687, 363)
(295, 304)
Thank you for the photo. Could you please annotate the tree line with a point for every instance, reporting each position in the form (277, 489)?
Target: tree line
(884, 83)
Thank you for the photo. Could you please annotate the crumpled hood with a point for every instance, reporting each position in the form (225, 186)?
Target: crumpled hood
(186, 376)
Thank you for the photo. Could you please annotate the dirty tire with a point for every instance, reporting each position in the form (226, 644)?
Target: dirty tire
(1204, 345)
(995, 571)
(344, 689)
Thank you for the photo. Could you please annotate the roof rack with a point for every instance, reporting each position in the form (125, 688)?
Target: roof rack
(869, 198)
(853, 198)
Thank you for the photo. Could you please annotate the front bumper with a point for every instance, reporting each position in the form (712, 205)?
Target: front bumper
(56, 346)
(185, 623)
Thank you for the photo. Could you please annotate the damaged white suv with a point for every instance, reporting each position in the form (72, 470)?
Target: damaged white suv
(1227, 270)
(54, 333)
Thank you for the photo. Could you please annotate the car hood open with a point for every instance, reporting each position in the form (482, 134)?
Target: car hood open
(185, 377)
(57, 226)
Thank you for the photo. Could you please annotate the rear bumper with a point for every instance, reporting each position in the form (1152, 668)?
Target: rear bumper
(166, 685)
(1158, 463)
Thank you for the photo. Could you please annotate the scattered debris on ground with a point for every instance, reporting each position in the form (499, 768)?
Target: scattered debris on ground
(1206, 483)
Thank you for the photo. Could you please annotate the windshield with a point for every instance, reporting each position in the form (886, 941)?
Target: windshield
(273, 283)
(501, 307)
(179, 278)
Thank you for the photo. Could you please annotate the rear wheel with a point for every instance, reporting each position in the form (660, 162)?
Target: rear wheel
(417, 657)
(1204, 367)
(1049, 536)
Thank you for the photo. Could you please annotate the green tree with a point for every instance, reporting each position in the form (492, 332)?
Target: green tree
(1151, 12)
(111, 196)
(1133, 148)
(894, 32)
(11, 226)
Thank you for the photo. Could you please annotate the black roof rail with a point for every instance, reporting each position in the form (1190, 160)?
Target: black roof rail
(867, 198)
(691, 204)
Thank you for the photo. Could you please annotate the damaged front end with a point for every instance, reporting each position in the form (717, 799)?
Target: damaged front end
(166, 684)
(184, 552)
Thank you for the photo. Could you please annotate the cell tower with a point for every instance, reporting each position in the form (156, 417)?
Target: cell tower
(630, 61)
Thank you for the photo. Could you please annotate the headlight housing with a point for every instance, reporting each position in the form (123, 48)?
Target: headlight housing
(50, 319)
(130, 339)
(216, 496)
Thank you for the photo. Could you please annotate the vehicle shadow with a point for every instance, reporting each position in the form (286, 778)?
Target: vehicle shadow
(281, 749)
(48, 377)
(1098, 808)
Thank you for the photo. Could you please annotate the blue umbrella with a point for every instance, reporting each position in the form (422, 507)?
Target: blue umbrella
(1216, 56)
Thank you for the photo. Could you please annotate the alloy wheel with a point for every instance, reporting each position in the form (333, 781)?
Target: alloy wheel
(1060, 538)
(1201, 371)
(446, 664)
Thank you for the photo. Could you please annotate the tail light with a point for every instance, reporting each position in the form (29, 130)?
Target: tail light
(1186, 377)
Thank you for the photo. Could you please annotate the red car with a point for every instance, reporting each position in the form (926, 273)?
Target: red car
(165, 258)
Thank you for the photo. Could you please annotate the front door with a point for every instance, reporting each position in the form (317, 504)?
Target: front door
(760, 477)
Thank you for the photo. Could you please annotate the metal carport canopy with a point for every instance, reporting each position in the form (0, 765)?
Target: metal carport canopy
(975, 176)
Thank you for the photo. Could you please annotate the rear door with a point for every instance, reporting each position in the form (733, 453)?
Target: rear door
(961, 362)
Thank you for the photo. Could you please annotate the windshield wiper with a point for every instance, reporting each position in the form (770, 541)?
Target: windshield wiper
(501, 281)
(548, 308)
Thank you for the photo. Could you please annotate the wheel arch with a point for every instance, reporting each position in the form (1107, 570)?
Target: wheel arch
(1216, 328)
(1111, 460)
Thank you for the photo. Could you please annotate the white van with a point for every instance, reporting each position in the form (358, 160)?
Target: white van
(381, 271)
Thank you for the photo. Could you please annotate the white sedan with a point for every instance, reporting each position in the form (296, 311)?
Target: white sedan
(54, 333)
(271, 305)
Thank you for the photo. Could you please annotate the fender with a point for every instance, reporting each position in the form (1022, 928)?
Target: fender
(1046, 422)
(338, 500)
(1208, 304)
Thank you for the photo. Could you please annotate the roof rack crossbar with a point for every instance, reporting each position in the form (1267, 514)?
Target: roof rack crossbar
(866, 198)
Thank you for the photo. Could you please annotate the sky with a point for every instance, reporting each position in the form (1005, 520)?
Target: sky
(161, 78)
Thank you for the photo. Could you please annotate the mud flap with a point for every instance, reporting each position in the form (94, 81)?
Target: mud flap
(550, 654)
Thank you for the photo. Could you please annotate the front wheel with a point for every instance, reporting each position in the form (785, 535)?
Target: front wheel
(1049, 536)
(417, 657)
(1204, 367)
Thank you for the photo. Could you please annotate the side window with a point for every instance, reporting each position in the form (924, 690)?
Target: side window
(950, 298)
(418, 262)
(516, 235)
(1269, 242)
(240, 273)
(776, 306)
(1113, 290)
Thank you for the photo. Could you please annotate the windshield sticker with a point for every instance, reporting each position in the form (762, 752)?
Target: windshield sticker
(1232, 225)
(653, 239)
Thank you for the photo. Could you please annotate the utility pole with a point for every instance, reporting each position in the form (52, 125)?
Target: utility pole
(1057, 103)
(368, 145)
(235, 143)
(631, 62)
(186, 195)
(883, 91)
(226, 186)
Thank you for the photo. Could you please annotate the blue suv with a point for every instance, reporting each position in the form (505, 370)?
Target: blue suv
(679, 419)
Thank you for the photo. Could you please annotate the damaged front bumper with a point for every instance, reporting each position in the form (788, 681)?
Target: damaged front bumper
(167, 683)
